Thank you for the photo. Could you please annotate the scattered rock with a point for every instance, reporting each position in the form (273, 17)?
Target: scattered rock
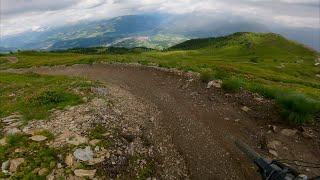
(38, 138)
(77, 140)
(5, 166)
(289, 132)
(3, 141)
(85, 99)
(318, 75)
(215, 84)
(308, 133)
(272, 127)
(12, 118)
(83, 154)
(13, 131)
(69, 160)
(258, 99)
(15, 163)
(96, 160)
(50, 177)
(100, 91)
(274, 144)
(151, 178)
(245, 109)
(43, 171)
(94, 142)
(36, 170)
(85, 173)
(59, 165)
(19, 150)
(273, 152)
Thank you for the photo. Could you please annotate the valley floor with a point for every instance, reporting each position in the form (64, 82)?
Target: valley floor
(202, 123)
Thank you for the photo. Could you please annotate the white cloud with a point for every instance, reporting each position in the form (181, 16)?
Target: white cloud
(23, 15)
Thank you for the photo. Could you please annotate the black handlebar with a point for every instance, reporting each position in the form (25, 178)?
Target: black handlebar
(270, 170)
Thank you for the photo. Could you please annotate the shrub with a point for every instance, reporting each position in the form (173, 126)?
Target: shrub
(265, 91)
(220, 74)
(17, 140)
(231, 85)
(206, 76)
(38, 106)
(97, 132)
(298, 108)
(254, 59)
(53, 98)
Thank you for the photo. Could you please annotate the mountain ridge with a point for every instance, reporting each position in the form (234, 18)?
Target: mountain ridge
(161, 32)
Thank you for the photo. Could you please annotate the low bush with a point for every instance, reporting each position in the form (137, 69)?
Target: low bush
(231, 85)
(265, 91)
(221, 74)
(206, 76)
(97, 132)
(254, 59)
(38, 106)
(298, 108)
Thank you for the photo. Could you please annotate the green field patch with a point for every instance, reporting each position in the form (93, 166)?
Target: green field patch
(35, 95)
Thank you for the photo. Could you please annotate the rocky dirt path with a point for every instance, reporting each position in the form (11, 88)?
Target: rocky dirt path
(202, 123)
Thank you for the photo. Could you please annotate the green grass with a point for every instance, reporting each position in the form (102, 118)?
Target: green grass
(266, 63)
(35, 95)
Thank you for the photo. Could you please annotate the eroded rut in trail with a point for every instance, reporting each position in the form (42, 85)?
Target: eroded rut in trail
(202, 126)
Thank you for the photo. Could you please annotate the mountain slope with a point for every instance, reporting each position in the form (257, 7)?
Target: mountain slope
(259, 45)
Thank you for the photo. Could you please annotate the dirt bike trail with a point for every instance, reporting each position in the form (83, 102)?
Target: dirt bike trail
(201, 122)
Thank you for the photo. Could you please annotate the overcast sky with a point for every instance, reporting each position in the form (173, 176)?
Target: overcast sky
(25, 15)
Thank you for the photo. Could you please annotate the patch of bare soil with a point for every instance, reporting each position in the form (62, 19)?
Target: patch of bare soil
(203, 123)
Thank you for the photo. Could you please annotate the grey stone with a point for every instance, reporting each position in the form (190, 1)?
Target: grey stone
(274, 144)
(38, 138)
(83, 154)
(289, 132)
(245, 109)
(273, 152)
(5, 166)
(215, 83)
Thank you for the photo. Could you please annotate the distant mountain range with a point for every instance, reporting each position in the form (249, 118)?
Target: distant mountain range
(152, 31)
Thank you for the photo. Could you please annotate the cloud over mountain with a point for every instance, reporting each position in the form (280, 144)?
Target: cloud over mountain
(24, 15)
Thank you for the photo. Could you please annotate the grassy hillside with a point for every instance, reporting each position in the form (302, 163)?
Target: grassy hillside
(259, 45)
(265, 63)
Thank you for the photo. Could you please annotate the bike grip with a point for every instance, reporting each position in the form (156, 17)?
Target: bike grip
(247, 150)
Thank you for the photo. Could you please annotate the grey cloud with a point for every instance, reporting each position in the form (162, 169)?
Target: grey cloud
(36, 14)
(9, 7)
